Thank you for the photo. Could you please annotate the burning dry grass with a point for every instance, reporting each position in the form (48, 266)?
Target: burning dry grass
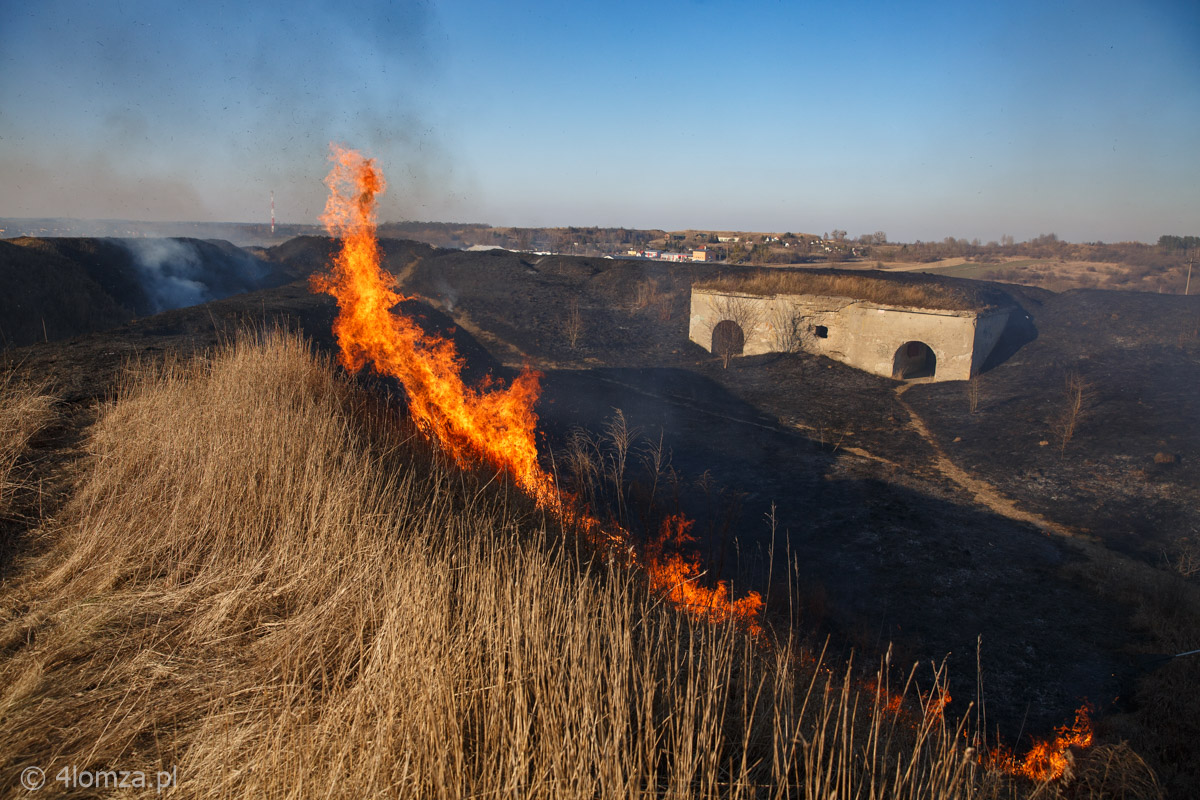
(893, 290)
(263, 582)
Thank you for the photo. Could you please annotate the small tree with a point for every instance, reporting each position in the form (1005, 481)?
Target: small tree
(743, 316)
(790, 330)
(1076, 398)
(573, 324)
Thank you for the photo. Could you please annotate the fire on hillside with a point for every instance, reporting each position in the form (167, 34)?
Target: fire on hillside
(493, 423)
(497, 425)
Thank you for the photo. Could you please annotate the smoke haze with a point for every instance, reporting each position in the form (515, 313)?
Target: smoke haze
(145, 110)
(174, 275)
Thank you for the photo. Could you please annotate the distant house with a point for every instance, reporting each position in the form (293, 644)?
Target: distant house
(700, 254)
(729, 238)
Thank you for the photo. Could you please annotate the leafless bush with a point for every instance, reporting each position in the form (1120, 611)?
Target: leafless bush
(744, 314)
(790, 329)
(646, 294)
(651, 297)
(1184, 559)
(973, 394)
(573, 324)
(1076, 397)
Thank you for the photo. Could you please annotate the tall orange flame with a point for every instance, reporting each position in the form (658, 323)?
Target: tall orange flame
(498, 425)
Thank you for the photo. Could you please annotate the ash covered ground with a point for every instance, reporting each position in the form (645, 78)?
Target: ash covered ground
(899, 517)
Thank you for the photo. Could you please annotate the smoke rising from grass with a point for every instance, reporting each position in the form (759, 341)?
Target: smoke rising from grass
(174, 274)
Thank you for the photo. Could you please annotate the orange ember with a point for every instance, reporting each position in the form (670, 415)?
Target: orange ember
(496, 424)
(1047, 760)
(886, 701)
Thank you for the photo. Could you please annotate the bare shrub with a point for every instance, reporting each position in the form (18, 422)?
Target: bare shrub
(572, 325)
(742, 312)
(663, 307)
(1184, 558)
(650, 296)
(1076, 397)
(790, 329)
(645, 294)
(973, 394)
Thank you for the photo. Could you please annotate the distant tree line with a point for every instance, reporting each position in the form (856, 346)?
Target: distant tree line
(1171, 251)
(1170, 243)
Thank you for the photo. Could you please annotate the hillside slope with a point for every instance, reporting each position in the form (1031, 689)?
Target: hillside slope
(62, 287)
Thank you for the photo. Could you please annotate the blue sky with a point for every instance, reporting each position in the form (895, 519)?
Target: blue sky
(920, 119)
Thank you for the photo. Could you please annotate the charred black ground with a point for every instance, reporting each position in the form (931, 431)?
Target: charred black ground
(886, 545)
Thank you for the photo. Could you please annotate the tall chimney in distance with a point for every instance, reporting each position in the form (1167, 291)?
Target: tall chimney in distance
(272, 212)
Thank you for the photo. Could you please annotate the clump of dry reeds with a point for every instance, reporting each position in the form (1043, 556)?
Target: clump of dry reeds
(273, 588)
(891, 290)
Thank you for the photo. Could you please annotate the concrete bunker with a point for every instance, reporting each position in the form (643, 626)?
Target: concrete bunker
(903, 327)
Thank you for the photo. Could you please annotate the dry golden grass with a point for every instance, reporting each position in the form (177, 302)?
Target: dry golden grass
(24, 410)
(265, 583)
(895, 290)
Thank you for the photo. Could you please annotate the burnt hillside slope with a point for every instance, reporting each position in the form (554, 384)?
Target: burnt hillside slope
(1130, 473)
(56, 288)
(878, 543)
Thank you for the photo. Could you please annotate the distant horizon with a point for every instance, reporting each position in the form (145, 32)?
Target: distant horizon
(850, 236)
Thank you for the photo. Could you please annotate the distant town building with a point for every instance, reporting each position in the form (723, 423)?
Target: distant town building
(697, 254)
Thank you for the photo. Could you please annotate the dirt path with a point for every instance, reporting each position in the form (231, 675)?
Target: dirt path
(983, 492)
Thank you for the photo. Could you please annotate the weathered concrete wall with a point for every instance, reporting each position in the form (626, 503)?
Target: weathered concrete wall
(864, 335)
(988, 330)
